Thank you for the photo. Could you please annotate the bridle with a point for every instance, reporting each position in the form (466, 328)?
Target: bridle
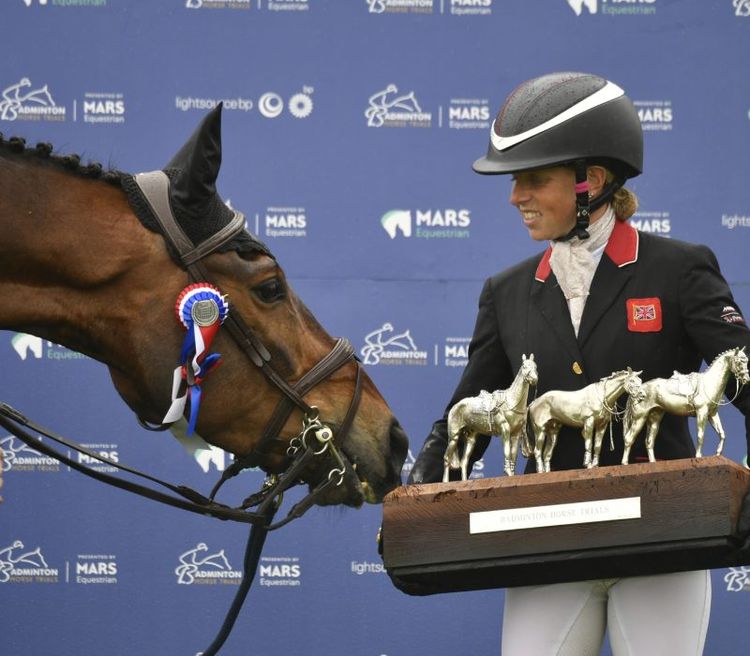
(316, 440)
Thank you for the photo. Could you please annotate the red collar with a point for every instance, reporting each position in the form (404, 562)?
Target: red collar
(622, 249)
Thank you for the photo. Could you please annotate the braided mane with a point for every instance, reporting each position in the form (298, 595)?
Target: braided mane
(71, 163)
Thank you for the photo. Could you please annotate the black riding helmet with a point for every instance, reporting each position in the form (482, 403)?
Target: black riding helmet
(575, 119)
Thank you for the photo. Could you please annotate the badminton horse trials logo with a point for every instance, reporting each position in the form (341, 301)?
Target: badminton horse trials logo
(388, 108)
(20, 565)
(197, 566)
(383, 346)
(21, 101)
(396, 220)
(20, 455)
(741, 7)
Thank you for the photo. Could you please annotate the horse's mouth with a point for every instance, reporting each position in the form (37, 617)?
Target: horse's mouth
(362, 482)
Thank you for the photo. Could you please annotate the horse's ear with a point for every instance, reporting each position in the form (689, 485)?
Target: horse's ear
(196, 166)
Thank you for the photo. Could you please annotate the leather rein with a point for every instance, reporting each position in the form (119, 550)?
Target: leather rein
(316, 440)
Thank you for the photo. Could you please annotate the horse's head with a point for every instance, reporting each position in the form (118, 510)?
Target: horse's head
(633, 384)
(528, 369)
(739, 365)
(240, 398)
(79, 269)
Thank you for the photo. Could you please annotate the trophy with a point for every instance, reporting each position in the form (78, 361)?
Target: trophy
(689, 395)
(592, 523)
(591, 409)
(502, 412)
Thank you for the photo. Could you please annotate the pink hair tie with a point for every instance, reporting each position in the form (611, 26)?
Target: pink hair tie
(582, 187)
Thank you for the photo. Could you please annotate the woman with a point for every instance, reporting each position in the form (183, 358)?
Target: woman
(602, 297)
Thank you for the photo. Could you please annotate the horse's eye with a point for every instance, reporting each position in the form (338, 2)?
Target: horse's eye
(270, 290)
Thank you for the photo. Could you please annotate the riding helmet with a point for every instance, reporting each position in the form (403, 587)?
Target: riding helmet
(563, 117)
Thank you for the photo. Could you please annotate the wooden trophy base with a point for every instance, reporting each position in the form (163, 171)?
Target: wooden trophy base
(575, 525)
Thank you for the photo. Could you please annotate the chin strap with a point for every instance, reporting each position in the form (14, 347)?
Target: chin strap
(584, 206)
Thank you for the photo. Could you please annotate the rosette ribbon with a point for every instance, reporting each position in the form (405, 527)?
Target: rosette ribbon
(201, 308)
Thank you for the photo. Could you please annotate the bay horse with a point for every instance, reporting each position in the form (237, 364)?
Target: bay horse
(83, 264)
(502, 412)
(687, 395)
(590, 409)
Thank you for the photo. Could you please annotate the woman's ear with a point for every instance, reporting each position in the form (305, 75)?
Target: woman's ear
(597, 178)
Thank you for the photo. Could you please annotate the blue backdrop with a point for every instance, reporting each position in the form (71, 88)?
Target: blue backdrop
(350, 123)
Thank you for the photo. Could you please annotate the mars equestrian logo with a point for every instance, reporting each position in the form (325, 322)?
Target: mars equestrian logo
(470, 7)
(655, 114)
(30, 347)
(448, 223)
(738, 579)
(385, 346)
(654, 222)
(456, 351)
(389, 108)
(613, 7)
(469, 113)
(284, 571)
(198, 566)
(288, 5)
(24, 101)
(103, 107)
(96, 569)
(285, 222)
(578, 5)
(18, 564)
(19, 457)
(741, 7)
(400, 6)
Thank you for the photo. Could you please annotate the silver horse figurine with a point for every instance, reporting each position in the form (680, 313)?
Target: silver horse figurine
(687, 395)
(590, 409)
(503, 412)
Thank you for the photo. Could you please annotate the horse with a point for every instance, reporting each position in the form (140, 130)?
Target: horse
(84, 264)
(590, 409)
(687, 395)
(502, 412)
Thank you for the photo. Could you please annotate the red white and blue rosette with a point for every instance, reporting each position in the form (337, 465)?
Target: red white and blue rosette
(201, 308)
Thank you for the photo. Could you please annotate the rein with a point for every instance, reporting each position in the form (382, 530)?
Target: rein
(315, 440)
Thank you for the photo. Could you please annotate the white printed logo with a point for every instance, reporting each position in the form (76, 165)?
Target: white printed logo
(428, 224)
(197, 566)
(741, 7)
(384, 346)
(389, 108)
(18, 564)
(30, 345)
(270, 104)
(277, 571)
(656, 222)
(300, 105)
(397, 220)
(737, 579)
(28, 3)
(578, 5)
(17, 453)
(21, 101)
(23, 344)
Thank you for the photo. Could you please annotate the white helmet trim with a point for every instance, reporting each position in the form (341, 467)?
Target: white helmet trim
(608, 92)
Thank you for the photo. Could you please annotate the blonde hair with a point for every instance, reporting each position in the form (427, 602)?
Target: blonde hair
(624, 202)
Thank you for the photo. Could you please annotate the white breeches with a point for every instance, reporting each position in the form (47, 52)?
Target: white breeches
(664, 615)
